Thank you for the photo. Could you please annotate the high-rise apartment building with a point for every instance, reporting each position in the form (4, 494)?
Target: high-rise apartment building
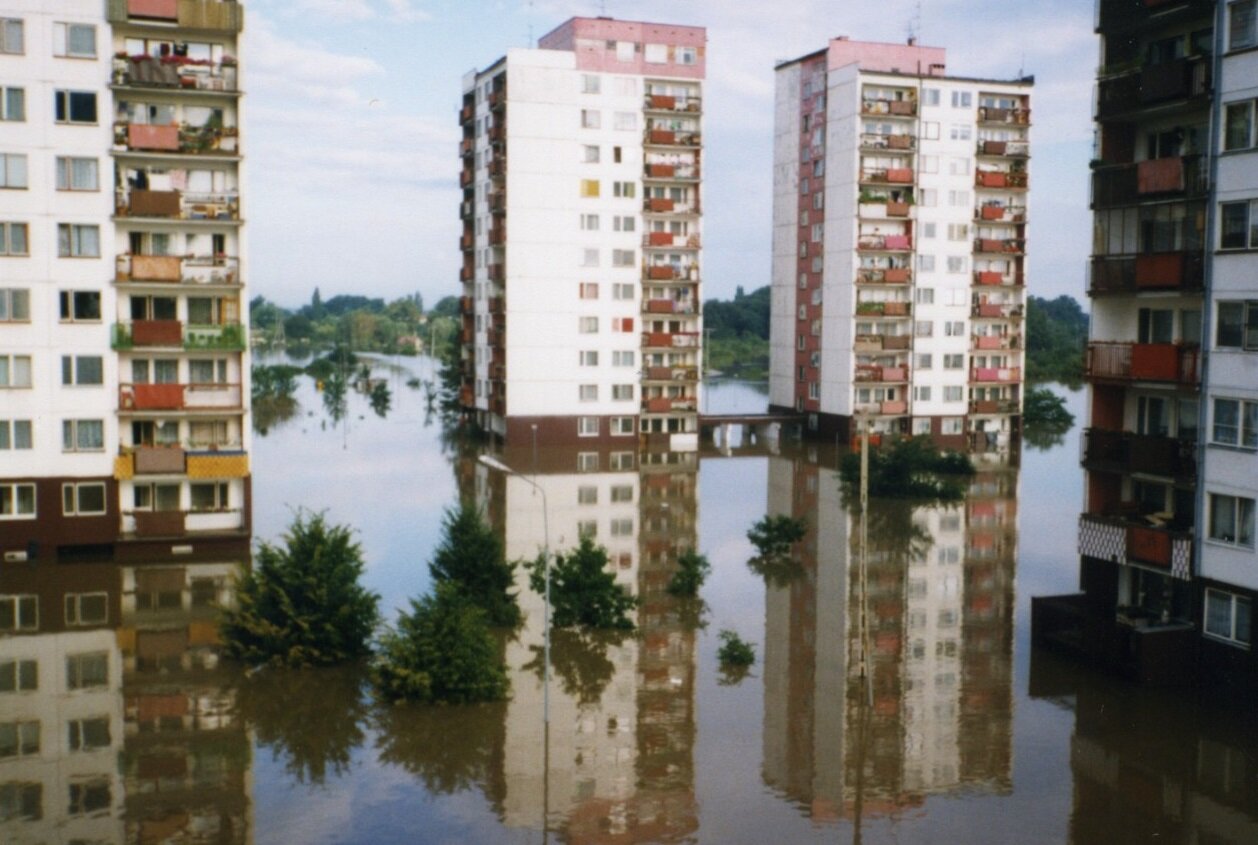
(123, 363)
(899, 245)
(582, 165)
(1166, 541)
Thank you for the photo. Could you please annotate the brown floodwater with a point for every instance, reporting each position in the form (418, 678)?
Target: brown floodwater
(894, 697)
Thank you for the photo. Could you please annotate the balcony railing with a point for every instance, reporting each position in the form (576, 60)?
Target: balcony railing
(884, 276)
(672, 374)
(996, 278)
(1017, 116)
(1126, 452)
(998, 213)
(219, 270)
(177, 205)
(670, 272)
(1135, 539)
(898, 108)
(174, 72)
(881, 342)
(672, 138)
(889, 175)
(893, 141)
(873, 373)
(1165, 271)
(1009, 149)
(671, 171)
(1007, 246)
(1011, 179)
(668, 306)
(177, 138)
(1125, 184)
(884, 309)
(663, 102)
(206, 15)
(670, 240)
(995, 342)
(673, 340)
(994, 406)
(1168, 362)
(885, 243)
(884, 209)
(664, 405)
(178, 397)
(999, 375)
(1118, 15)
(1153, 83)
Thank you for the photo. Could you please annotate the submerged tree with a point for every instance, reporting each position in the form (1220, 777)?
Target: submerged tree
(736, 657)
(441, 651)
(302, 603)
(912, 468)
(775, 535)
(381, 398)
(471, 557)
(692, 570)
(582, 591)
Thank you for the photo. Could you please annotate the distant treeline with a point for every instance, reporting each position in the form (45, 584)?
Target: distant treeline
(363, 323)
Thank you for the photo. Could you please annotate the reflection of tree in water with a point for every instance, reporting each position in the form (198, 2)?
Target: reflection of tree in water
(335, 388)
(272, 412)
(449, 748)
(777, 570)
(579, 659)
(311, 718)
(1041, 438)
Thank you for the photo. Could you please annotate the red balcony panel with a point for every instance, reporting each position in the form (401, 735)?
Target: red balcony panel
(661, 171)
(658, 405)
(1155, 361)
(157, 333)
(990, 245)
(156, 268)
(995, 148)
(900, 341)
(662, 136)
(895, 309)
(155, 397)
(988, 179)
(141, 136)
(988, 342)
(1160, 270)
(898, 242)
(160, 523)
(659, 306)
(902, 107)
(660, 239)
(661, 101)
(167, 10)
(1160, 175)
(1149, 545)
(894, 374)
(900, 175)
(992, 212)
(989, 277)
(894, 407)
(897, 209)
(660, 272)
(659, 204)
(988, 309)
(660, 373)
(895, 275)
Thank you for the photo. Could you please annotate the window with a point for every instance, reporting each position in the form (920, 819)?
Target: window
(589, 290)
(589, 357)
(622, 324)
(621, 426)
(588, 392)
(87, 734)
(87, 608)
(80, 305)
(19, 613)
(924, 328)
(624, 120)
(959, 199)
(588, 427)
(77, 174)
(1236, 423)
(924, 296)
(15, 305)
(1232, 519)
(589, 258)
(1238, 126)
(954, 362)
(19, 675)
(12, 170)
(1239, 228)
(587, 462)
(953, 393)
(957, 263)
(962, 99)
(625, 51)
(13, 239)
(954, 328)
(959, 132)
(923, 361)
(624, 358)
(15, 371)
(587, 325)
(1242, 27)
(624, 223)
(75, 106)
(589, 188)
(89, 796)
(687, 55)
(12, 36)
(1227, 616)
(207, 371)
(926, 263)
(951, 425)
(15, 434)
(12, 104)
(210, 496)
(82, 435)
(74, 40)
(616, 154)
(591, 118)
(590, 84)
(930, 164)
(17, 501)
(624, 257)
(921, 394)
(84, 499)
(82, 370)
(622, 527)
(1237, 325)
(958, 231)
(625, 189)
(84, 671)
(928, 197)
(655, 54)
(926, 231)
(75, 241)
(19, 739)
(587, 528)
(589, 222)
(622, 392)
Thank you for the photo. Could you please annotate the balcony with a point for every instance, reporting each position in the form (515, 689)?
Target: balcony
(884, 309)
(177, 523)
(178, 397)
(1141, 539)
(885, 243)
(1005, 179)
(1161, 271)
(1154, 84)
(670, 340)
(1016, 116)
(1126, 184)
(984, 407)
(668, 240)
(1004, 246)
(869, 343)
(671, 138)
(687, 374)
(158, 460)
(175, 138)
(466, 113)
(996, 310)
(661, 102)
(668, 306)
(671, 172)
(206, 15)
(873, 373)
(995, 342)
(665, 405)
(144, 333)
(893, 141)
(670, 272)
(996, 278)
(1119, 15)
(998, 213)
(895, 108)
(1125, 452)
(888, 209)
(1165, 362)
(884, 276)
(175, 205)
(1004, 149)
(996, 375)
(197, 270)
(218, 464)
(174, 72)
(888, 175)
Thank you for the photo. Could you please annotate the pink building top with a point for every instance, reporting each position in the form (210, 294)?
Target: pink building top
(887, 58)
(602, 44)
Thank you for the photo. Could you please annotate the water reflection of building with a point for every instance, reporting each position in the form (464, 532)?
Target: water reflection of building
(1150, 765)
(619, 766)
(940, 599)
(105, 688)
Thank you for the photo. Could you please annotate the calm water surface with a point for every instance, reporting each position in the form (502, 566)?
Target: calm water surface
(936, 724)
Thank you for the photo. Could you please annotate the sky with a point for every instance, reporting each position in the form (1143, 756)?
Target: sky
(351, 126)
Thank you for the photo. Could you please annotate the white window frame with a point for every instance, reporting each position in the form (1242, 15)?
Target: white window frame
(1232, 636)
(14, 175)
(62, 40)
(72, 496)
(7, 228)
(74, 609)
(21, 606)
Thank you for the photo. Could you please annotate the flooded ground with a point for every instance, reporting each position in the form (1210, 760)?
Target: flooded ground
(936, 723)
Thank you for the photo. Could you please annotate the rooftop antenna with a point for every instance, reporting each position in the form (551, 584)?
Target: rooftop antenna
(914, 26)
(1022, 65)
